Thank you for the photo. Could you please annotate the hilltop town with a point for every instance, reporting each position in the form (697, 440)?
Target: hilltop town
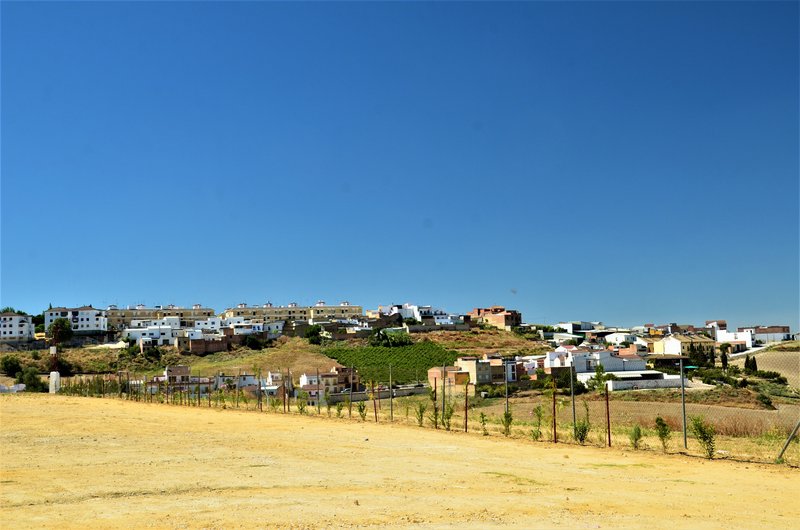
(648, 356)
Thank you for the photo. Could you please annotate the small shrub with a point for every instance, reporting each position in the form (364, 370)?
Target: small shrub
(36, 355)
(506, 421)
(302, 402)
(483, 420)
(765, 400)
(635, 436)
(447, 415)
(339, 408)
(663, 431)
(705, 434)
(252, 342)
(419, 412)
(434, 416)
(582, 426)
(538, 413)
(362, 410)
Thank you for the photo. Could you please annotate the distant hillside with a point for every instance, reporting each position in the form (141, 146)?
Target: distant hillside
(296, 354)
(480, 341)
(291, 353)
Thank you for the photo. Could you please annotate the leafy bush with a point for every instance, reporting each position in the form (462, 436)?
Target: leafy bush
(252, 342)
(774, 376)
(447, 415)
(314, 334)
(705, 434)
(635, 436)
(339, 408)
(506, 421)
(302, 402)
(496, 391)
(419, 412)
(434, 416)
(765, 400)
(582, 426)
(10, 365)
(483, 420)
(30, 378)
(663, 431)
(390, 339)
(538, 413)
(362, 410)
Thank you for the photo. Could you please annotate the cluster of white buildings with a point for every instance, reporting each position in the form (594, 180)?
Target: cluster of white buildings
(423, 314)
(168, 330)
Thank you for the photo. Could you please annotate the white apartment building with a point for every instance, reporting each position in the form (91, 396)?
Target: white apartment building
(158, 335)
(85, 320)
(15, 327)
(417, 312)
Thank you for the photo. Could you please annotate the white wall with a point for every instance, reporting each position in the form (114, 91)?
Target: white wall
(618, 338)
(158, 334)
(672, 346)
(731, 336)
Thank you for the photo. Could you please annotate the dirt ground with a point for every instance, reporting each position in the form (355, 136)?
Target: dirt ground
(71, 462)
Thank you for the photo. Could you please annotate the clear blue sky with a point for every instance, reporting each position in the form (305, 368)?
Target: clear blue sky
(627, 162)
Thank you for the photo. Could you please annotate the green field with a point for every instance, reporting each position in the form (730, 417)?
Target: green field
(409, 363)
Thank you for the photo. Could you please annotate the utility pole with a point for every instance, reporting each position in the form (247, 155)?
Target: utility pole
(391, 396)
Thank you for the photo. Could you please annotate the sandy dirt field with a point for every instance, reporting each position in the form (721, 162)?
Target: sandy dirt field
(74, 462)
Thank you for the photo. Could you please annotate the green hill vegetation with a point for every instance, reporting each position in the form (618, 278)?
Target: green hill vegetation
(410, 364)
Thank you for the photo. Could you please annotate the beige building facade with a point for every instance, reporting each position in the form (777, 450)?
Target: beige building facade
(294, 312)
(121, 318)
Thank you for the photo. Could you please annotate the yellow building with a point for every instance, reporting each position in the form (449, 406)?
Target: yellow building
(121, 318)
(293, 312)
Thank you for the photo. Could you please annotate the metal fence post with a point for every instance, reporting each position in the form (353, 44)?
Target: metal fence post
(572, 395)
(683, 406)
